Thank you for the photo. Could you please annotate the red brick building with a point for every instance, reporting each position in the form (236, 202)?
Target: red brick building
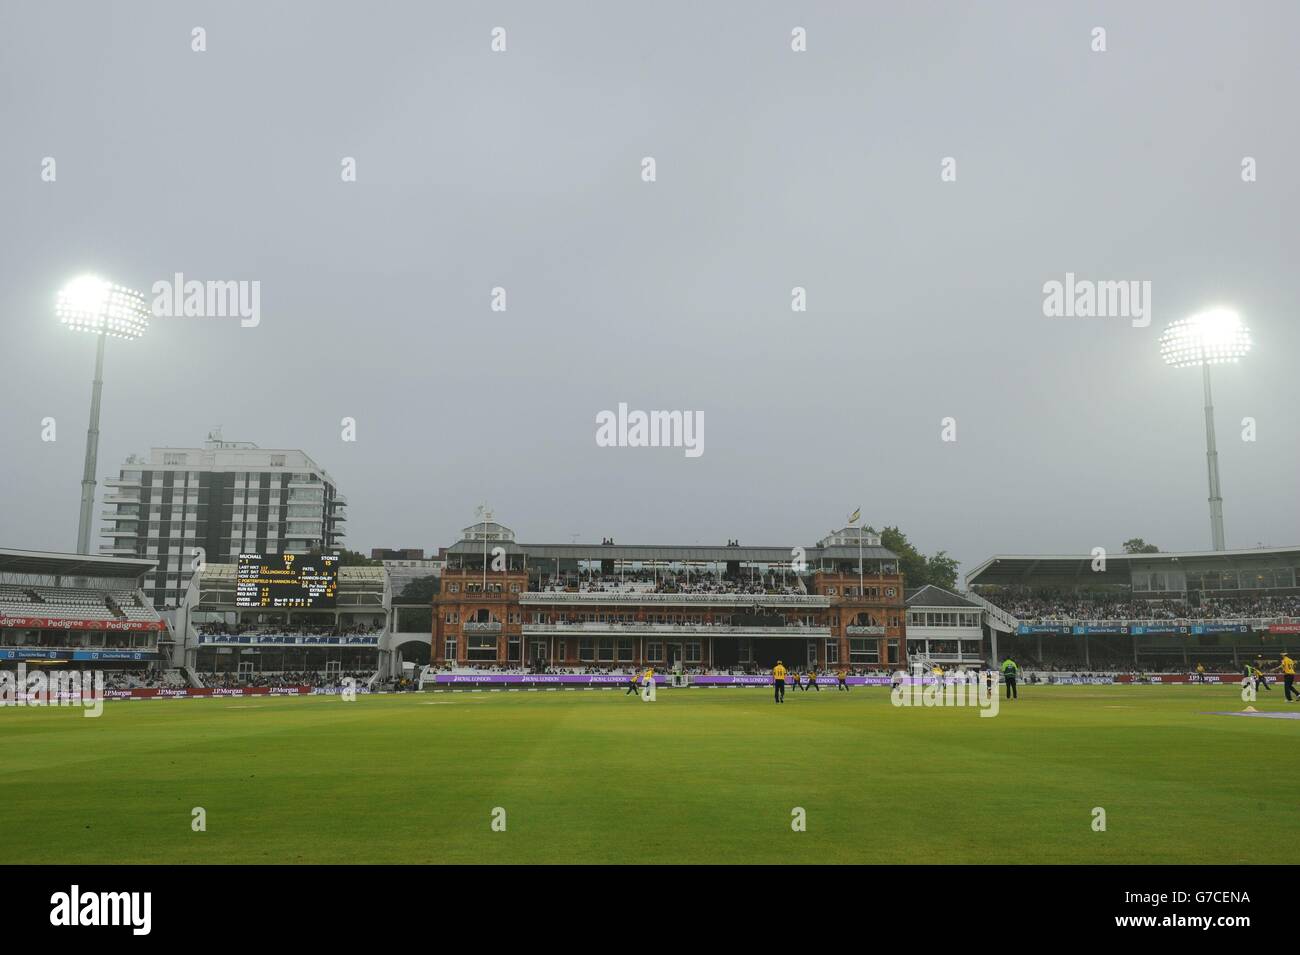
(839, 602)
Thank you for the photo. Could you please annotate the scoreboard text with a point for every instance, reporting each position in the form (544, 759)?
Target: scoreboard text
(287, 580)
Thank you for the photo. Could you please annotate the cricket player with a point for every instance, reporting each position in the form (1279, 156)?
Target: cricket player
(648, 690)
(778, 681)
(1255, 677)
(1261, 678)
(633, 682)
(844, 679)
(1287, 666)
(812, 679)
(1010, 671)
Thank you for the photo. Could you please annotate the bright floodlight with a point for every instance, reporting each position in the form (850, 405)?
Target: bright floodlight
(1210, 338)
(90, 304)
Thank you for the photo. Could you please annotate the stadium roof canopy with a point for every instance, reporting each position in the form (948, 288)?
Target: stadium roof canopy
(53, 564)
(654, 552)
(1012, 569)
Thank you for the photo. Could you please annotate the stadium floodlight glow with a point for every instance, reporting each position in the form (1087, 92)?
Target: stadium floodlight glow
(91, 304)
(1210, 338)
(1213, 337)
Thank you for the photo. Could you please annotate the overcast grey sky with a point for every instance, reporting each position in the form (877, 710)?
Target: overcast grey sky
(775, 169)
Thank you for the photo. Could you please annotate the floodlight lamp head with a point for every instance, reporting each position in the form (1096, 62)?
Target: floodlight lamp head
(1208, 338)
(91, 304)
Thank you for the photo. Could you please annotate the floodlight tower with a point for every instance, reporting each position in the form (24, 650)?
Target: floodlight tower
(90, 304)
(1207, 338)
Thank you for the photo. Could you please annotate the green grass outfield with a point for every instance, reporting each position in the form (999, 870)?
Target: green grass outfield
(698, 776)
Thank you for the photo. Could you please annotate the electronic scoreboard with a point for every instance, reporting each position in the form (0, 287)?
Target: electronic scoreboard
(287, 580)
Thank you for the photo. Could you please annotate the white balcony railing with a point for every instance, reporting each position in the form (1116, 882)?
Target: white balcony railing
(673, 629)
(633, 598)
(1112, 622)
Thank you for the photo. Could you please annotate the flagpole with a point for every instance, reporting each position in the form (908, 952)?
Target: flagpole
(483, 509)
(853, 520)
(860, 590)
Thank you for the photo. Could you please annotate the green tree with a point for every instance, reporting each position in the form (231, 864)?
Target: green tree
(1136, 545)
(917, 569)
(418, 591)
(943, 570)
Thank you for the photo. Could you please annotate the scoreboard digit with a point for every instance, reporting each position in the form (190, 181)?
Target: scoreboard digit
(287, 581)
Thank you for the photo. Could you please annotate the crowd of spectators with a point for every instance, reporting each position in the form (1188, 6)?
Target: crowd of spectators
(1247, 607)
(676, 583)
(1074, 666)
(1055, 606)
(575, 617)
(137, 679)
(312, 678)
(310, 630)
(627, 669)
(1034, 670)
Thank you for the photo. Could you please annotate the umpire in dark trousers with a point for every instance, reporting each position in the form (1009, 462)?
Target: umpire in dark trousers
(1009, 673)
